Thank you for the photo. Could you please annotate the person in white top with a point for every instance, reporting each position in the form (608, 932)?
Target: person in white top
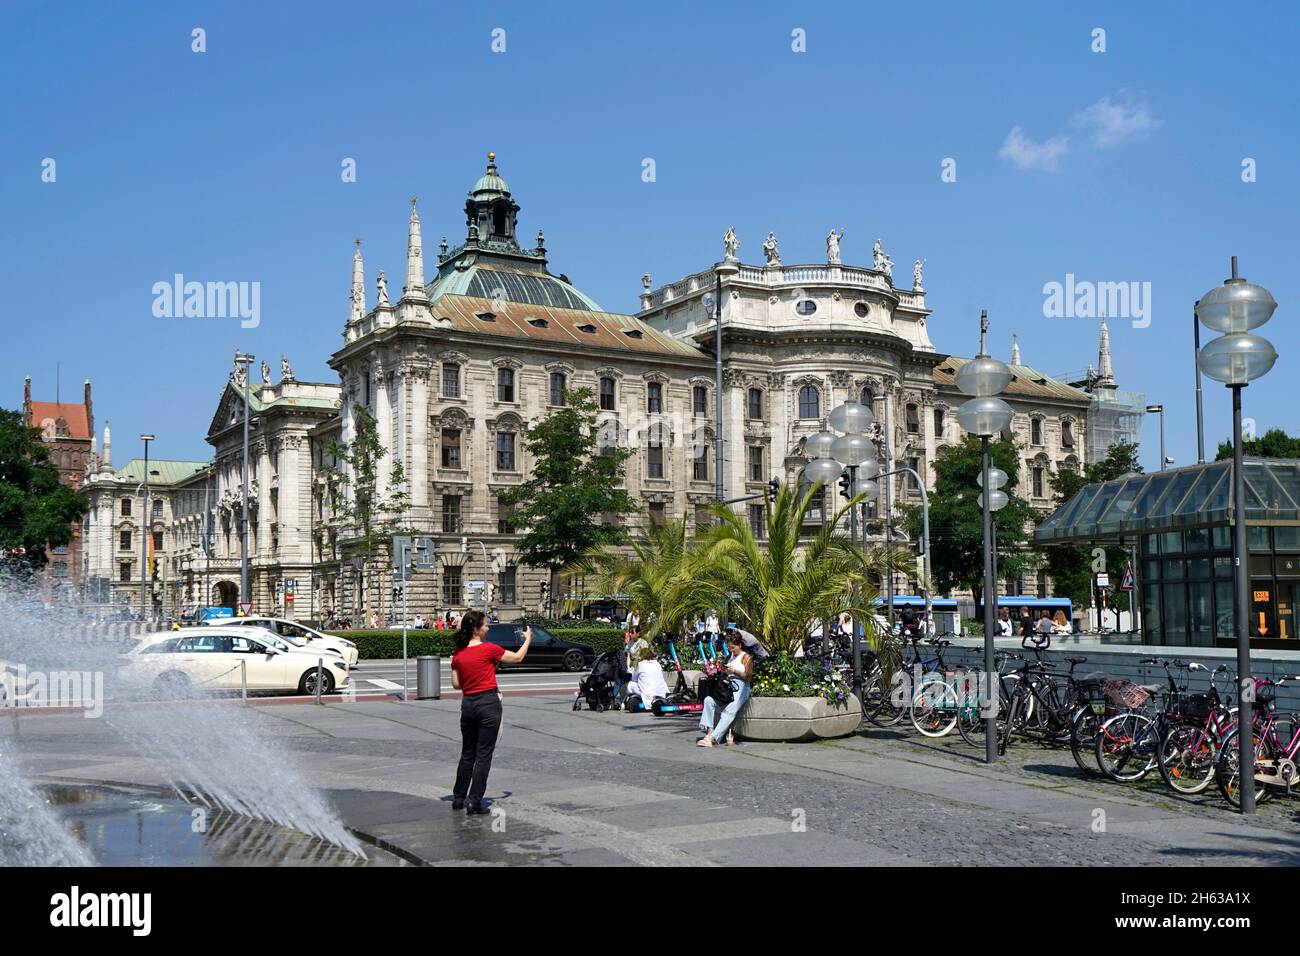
(740, 668)
(648, 679)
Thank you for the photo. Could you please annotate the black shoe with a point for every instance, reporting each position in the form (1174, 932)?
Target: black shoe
(473, 807)
(458, 803)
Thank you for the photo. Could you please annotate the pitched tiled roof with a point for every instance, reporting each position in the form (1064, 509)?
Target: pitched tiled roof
(573, 327)
(1028, 381)
(74, 415)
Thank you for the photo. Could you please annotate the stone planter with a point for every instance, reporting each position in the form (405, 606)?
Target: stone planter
(797, 719)
(692, 679)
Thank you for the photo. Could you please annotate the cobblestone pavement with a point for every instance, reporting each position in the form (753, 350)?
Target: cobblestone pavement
(575, 788)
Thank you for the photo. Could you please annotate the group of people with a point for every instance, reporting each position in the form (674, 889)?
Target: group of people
(1046, 625)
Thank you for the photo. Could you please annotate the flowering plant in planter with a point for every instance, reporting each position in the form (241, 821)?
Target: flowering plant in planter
(784, 676)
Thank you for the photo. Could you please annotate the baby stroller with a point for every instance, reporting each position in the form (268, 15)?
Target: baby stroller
(597, 688)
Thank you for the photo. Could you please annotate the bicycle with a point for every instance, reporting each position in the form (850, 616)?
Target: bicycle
(1127, 745)
(1190, 748)
(1275, 762)
(1045, 703)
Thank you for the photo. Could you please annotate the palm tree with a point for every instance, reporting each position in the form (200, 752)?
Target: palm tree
(660, 577)
(780, 587)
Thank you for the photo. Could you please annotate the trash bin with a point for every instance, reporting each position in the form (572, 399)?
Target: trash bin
(428, 678)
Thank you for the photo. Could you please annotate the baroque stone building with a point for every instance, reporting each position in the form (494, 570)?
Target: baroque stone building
(484, 342)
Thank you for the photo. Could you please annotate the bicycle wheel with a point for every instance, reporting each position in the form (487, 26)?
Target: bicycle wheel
(1126, 747)
(1227, 770)
(882, 703)
(934, 708)
(1083, 740)
(1186, 757)
(1015, 718)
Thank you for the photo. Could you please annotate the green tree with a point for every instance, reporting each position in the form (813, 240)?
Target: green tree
(1071, 566)
(661, 576)
(780, 586)
(1274, 443)
(36, 508)
(572, 484)
(957, 522)
(366, 514)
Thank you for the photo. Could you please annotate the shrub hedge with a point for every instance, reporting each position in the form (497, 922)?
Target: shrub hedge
(387, 644)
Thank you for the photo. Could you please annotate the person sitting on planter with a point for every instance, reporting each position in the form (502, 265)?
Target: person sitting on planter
(740, 668)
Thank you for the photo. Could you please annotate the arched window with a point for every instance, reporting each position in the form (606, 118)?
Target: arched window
(654, 403)
(607, 394)
(1035, 431)
(913, 419)
(700, 401)
(809, 402)
(700, 463)
(868, 397)
(755, 404)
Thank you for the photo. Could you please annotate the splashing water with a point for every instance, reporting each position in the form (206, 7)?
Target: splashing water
(218, 751)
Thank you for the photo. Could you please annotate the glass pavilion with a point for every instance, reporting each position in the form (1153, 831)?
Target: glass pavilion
(1181, 522)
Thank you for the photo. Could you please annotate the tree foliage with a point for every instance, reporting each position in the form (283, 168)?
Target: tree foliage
(1274, 443)
(1071, 566)
(36, 508)
(957, 521)
(572, 484)
(367, 513)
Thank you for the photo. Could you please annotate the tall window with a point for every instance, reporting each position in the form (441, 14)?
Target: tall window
(1035, 431)
(126, 507)
(1067, 434)
(700, 401)
(654, 403)
(757, 518)
(938, 423)
(506, 585)
(809, 402)
(451, 380)
(700, 463)
(1038, 482)
(505, 451)
(451, 594)
(655, 454)
(558, 385)
(607, 394)
(124, 540)
(124, 573)
(451, 513)
(157, 541)
(908, 481)
(755, 403)
(656, 510)
(451, 448)
(504, 511)
(755, 456)
(913, 420)
(505, 385)
(867, 397)
(157, 507)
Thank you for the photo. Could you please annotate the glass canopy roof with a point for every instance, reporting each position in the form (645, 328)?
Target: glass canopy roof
(1166, 500)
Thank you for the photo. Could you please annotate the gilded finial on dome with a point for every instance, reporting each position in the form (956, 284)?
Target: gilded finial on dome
(492, 157)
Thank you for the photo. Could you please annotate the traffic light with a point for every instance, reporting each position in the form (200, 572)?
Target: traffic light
(846, 487)
(774, 488)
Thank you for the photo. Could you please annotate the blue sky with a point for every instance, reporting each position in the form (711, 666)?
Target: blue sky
(225, 166)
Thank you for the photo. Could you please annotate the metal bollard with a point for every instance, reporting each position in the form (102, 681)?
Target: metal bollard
(243, 681)
(428, 678)
(320, 676)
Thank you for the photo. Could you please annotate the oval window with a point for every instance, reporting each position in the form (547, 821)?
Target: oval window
(860, 310)
(806, 307)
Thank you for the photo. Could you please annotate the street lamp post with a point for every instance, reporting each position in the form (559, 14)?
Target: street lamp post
(1235, 358)
(245, 361)
(1160, 410)
(852, 450)
(146, 524)
(985, 415)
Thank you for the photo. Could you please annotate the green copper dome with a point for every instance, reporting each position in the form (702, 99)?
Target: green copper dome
(491, 181)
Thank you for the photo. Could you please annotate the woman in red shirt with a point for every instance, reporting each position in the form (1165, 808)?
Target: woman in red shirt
(474, 674)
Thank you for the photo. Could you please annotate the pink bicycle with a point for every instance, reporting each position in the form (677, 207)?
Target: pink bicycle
(1275, 761)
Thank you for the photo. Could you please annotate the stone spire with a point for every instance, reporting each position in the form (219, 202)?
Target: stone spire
(1105, 372)
(1015, 348)
(358, 306)
(106, 464)
(414, 288)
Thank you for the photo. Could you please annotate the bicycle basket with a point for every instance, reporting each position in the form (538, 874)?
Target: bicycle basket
(1265, 694)
(1192, 707)
(1126, 693)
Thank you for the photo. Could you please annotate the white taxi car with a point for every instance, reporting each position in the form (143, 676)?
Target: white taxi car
(295, 633)
(215, 658)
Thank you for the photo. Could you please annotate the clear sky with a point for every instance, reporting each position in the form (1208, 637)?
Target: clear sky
(1123, 165)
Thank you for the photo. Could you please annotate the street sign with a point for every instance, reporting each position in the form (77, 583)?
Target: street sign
(1126, 583)
(245, 607)
(401, 547)
(1103, 579)
(424, 559)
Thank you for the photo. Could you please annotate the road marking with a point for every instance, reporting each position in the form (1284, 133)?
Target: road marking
(383, 684)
